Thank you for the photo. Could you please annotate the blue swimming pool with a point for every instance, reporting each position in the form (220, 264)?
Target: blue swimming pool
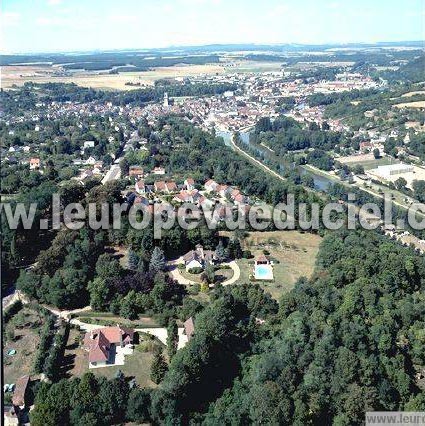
(263, 272)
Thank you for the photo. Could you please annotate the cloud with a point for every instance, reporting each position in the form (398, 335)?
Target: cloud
(54, 2)
(10, 19)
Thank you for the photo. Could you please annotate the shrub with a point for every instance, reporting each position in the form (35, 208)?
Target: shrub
(195, 271)
(11, 311)
(246, 254)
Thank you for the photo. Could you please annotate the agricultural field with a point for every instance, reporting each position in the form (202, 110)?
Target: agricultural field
(21, 335)
(18, 75)
(415, 104)
(294, 255)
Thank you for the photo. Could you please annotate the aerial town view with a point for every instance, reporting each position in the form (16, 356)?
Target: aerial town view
(213, 212)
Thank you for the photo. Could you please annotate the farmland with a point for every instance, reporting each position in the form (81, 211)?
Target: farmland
(20, 74)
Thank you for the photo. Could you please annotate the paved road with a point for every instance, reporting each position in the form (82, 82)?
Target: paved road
(113, 173)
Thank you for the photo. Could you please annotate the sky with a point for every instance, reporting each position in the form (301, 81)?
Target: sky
(71, 25)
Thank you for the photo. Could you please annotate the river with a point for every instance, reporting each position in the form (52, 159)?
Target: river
(321, 183)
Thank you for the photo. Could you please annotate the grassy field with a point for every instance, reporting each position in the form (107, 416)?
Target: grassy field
(75, 359)
(137, 365)
(415, 104)
(368, 161)
(294, 254)
(24, 327)
(373, 164)
(108, 318)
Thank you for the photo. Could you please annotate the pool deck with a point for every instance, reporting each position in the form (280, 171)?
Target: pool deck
(263, 272)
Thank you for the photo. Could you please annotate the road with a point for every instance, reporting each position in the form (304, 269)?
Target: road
(113, 173)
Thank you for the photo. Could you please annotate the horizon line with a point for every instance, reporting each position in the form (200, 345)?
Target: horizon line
(188, 46)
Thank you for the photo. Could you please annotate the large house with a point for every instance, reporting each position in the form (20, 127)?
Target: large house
(198, 258)
(102, 343)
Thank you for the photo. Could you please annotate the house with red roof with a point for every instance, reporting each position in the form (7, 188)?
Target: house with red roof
(210, 185)
(35, 163)
(167, 187)
(103, 345)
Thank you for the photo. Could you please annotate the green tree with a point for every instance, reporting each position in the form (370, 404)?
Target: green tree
(129, 307)
(376, 153)
(157, 262)
(172, 338)
(133, 260)
(124, 167)
(159, 366)
(138, 406)
(400, 183)
(220, 252)
(209, 273)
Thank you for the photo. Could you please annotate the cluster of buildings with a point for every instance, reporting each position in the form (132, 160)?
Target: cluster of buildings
(212, 193)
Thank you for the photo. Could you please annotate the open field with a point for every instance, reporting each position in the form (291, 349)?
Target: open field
(416, 104)
(20, 74)
(294, 254)
(24, 326)
(368, 161)
(110, 319)
(43, 74)
(409, 94)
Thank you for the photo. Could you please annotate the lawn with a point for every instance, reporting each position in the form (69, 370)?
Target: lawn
(137, 365)
(24, 326)
(294, 255)
(373, 164)
(221, 274)
(196, 278)
(75, 359)
(367, 161)
(110, 319)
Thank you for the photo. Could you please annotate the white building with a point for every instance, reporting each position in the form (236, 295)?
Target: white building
(393, 169)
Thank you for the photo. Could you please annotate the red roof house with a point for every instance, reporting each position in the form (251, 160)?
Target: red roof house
(101, 342)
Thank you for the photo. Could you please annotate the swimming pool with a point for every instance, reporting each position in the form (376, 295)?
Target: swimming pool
(263, 272)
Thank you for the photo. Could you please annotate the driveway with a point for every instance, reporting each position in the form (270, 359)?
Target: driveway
(175, 272)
